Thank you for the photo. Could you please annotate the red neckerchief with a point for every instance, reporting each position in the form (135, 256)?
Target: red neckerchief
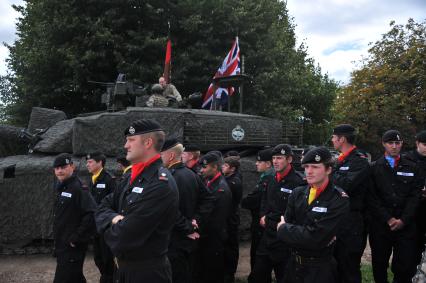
(396, 160)
(321, 189)
(139, 167)
(279, 176)
(343, 155)
(213, 179)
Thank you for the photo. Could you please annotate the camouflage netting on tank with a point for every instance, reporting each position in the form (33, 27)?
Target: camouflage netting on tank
(105, 132)
(10, 143)
(57, 138)
(43, 118)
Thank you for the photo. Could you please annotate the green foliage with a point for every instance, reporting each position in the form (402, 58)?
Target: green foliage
(63, 44)
(389, 90)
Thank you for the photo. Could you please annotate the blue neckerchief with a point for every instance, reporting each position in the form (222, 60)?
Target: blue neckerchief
(391, 160)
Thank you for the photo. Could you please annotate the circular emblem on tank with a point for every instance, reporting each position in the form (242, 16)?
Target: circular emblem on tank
(238, 133)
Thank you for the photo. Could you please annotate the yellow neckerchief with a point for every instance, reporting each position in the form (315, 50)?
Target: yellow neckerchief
(312, 194)
(95, 176)
(127, 169)
(315, 192)
(171, 164)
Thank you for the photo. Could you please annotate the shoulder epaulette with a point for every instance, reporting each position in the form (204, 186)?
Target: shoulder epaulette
(341, 192)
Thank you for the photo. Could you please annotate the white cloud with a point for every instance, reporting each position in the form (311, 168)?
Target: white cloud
(8, 18)
(338, 32)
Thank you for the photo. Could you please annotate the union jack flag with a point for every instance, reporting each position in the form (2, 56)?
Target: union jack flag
(230, 66)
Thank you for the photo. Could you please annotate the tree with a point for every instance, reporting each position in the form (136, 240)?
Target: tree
(63, 44)
(389, 90)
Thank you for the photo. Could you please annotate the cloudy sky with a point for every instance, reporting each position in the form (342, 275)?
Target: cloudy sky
(337, 32)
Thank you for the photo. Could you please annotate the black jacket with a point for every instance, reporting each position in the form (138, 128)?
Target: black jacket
(216, 224)
(253, 200)
(195, 202)
(104, 185)
(149, 206)
(277, 194)
(235, 185)
(74, 220)
(420, 161)
(310, 228)
(394, 192)
(352, 175)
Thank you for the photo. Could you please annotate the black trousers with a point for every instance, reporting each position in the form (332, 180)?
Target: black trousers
(324, 271)
(69, 266)
(210, 261)
(349, 247)
(402, 244)
(152, 271)
(181, 262)
(232, 253)
(421, 230)
(104, 259)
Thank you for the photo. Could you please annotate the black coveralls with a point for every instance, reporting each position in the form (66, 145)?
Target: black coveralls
(140, 241)
(231, 246)
(104, 185)
(73, 223)
(351, 175)
(273, 254)
(210, 264)
(252, 202)
(394, 193)
(421, 211)
(309, 231)
(195, 202)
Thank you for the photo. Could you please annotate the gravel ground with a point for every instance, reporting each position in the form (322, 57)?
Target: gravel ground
(41, 268)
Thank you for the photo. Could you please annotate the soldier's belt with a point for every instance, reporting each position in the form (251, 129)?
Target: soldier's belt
(303, 260)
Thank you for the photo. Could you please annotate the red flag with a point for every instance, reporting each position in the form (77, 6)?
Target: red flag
(167, 62)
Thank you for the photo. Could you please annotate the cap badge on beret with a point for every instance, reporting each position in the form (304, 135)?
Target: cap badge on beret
(205, 162)
(88, 156)
(283, 151)
(398, 138)
(132, 130)
(258, 157)
(317, 158)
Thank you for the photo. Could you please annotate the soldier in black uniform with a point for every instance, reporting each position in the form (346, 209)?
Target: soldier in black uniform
(125, 168)
(393, 200)
(271, 253)
(190, 157)
(195, 205)
(101, 185)
(210, 262)
(351, 174)
(253, 199)
(418, 156)
(137, 219)
(73, 224)
(230, 169)
(313, 217)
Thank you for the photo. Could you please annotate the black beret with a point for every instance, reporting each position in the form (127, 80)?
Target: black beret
(391, 135)
(209, 157)
(62, 160)
(264, 155)
(421, 136)
(169, 143)
(218, 153)
(96, 156)
(306, 150)
(317, 155)
(282, 149)
(191, 148)
(343, 129)
(142, 126)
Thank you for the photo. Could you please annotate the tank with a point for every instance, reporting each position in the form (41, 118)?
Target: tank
(26, 174)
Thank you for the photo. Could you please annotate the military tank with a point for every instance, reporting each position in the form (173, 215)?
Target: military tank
(26, 175)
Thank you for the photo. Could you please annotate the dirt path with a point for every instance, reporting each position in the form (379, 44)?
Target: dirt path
(41, 268)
